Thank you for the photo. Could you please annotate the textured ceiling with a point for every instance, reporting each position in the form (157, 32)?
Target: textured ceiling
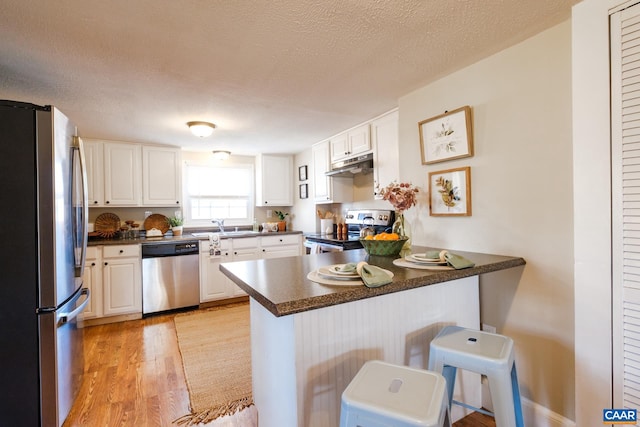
(273, 75)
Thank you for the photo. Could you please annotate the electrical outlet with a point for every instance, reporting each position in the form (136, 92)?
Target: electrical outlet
(269, 213)
(488, 328)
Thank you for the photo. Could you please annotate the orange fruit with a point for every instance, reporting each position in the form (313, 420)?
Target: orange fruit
(378, 237)
(368, 237)
(393, 236)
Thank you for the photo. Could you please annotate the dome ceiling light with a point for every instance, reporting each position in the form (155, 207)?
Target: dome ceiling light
(221, 154)
(201, 129)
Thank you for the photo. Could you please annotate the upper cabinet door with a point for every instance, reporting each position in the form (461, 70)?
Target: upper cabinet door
(161, 179)
(274, 180)
(359, 140)
(386, 161)
(122, 165)
(339, 147)
(95, 173)
(328, 189)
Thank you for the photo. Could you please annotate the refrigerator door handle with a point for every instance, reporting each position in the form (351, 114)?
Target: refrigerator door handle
(67, 317)
(80, 208)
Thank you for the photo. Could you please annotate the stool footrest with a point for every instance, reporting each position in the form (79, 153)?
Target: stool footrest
(473, 408)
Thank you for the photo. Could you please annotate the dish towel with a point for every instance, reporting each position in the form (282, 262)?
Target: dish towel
(371, 276)
(456, 261)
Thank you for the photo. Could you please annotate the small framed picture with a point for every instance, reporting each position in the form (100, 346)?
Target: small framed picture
(302, 173)
(304, 191)
(450, 192)
(447, 136)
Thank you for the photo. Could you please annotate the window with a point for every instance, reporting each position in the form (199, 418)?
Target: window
(219, 192)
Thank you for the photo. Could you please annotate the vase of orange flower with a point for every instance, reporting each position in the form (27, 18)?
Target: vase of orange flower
(402, 196)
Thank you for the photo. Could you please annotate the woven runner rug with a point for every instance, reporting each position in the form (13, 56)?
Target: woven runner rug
(216, 356)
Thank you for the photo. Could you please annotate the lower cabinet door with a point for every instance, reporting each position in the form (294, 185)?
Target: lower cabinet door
(92, 279)
(122, 286)
(213, 284)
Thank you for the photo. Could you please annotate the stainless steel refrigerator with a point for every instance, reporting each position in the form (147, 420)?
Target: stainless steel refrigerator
(43, 242)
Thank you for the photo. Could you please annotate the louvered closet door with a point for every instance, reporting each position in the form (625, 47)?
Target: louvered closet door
(625, 111)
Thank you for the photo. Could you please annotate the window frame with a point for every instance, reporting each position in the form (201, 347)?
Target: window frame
(190, 222)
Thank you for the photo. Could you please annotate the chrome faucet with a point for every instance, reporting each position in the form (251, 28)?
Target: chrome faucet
(219, 223)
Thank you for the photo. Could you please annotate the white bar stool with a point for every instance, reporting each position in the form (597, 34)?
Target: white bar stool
(484, 353)
(382, 394)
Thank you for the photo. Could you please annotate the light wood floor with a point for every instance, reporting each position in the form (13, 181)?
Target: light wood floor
(134, 377)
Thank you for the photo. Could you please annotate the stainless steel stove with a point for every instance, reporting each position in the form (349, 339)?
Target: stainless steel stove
(381, 220)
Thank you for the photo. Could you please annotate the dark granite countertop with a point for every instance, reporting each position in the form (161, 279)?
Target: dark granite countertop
(185, 236)
(282, 287)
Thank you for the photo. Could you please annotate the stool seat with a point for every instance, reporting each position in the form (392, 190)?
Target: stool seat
(382, 394)
(488, 354)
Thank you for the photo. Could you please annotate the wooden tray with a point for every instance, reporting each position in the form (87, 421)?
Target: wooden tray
(157, 221)
(107, 225)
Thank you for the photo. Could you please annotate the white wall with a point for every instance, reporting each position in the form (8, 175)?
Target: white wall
(521, 179)
(303, 216)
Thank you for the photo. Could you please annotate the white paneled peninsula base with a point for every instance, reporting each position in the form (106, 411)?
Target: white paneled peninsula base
(309, 340)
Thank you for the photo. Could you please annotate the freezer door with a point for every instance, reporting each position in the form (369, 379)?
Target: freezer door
(62, 359)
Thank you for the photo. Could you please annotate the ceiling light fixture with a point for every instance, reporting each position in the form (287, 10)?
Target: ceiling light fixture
(221, 154)
(201, 129)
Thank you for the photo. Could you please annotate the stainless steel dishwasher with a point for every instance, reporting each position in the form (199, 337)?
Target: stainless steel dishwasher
(170, 276)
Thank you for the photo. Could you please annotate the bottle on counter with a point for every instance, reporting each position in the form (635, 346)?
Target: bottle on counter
(255, 225)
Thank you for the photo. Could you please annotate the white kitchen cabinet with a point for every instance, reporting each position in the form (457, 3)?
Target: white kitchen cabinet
(95, 172)
(274, 180)
(161, 176)
(281, 246)
(92, 279)
(128, 174)
(328, 189)
(245, 249)
(386, 161)
(122, 166)
(121, 280)
(213, 284)
(351, 143)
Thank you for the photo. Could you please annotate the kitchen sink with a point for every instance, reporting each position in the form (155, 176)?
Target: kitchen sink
(201, 234)
(228, 233)
(239, 233)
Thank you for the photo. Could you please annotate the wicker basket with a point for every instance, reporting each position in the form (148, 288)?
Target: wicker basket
(383, 247)
(107, 225)
(156, 221)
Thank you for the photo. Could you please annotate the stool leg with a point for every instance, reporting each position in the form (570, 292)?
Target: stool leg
(516, 397)
(502, 398)
(449, 374)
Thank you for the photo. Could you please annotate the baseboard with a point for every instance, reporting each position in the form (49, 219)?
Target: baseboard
(539, 416)
(533, 413)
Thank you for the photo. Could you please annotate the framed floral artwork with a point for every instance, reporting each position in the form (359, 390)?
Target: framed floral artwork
(447, 136)
(450, 192)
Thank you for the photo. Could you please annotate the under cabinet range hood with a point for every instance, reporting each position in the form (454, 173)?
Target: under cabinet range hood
(349, 167)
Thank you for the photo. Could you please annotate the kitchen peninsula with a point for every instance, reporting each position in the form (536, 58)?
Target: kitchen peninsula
(308, 340)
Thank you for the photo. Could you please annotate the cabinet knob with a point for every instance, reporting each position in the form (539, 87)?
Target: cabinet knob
(235, 253)
(121, 251)
(177, 202)
(264, 250)
(281, 240)
(93, 264)
(107, 202)
(95, 202)
(106, 263)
